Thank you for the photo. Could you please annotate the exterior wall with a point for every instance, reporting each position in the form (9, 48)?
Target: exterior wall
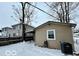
(5, 33)
(29, 28)
(17, 30)
(63, 33)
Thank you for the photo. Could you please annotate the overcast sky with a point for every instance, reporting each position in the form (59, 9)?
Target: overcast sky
(6, 12)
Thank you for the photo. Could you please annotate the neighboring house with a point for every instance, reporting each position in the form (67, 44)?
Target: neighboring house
(76, 37)
(5, 31)
(76, 34)
(16, 30)
(54, 33)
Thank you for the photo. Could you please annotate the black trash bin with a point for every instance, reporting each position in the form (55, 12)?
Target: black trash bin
(66, 48)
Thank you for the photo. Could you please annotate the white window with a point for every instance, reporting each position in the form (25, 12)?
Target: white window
(51, 34)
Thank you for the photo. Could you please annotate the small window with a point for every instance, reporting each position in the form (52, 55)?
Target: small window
(19, 26)
(9, 35)
(14, 34)
(51, 34)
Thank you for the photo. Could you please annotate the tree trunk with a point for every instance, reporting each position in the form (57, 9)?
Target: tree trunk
(23, 25)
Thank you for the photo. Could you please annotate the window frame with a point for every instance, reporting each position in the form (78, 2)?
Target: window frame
(54, 35)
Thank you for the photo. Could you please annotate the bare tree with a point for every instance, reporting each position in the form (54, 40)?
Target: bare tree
(25, 13)
(62, 11)
(29, 12)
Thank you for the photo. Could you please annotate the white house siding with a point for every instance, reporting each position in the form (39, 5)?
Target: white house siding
(16, 31)
(29, 28)
(5, 32)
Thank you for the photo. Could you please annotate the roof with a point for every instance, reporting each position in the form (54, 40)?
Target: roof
(21, 24)
(6, 28)
(59, 23)
(16, 24)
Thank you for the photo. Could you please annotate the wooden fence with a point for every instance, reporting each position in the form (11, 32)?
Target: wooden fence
(12, 40)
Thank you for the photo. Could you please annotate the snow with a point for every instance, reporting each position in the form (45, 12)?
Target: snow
(28, 49)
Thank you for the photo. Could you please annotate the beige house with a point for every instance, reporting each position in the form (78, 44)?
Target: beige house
(54, 33)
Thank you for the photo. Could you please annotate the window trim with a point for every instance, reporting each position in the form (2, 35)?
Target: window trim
(54, 34)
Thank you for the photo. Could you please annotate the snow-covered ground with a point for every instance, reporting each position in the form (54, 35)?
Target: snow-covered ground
(27, 49)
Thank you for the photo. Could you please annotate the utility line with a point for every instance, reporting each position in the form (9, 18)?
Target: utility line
(40, 9)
